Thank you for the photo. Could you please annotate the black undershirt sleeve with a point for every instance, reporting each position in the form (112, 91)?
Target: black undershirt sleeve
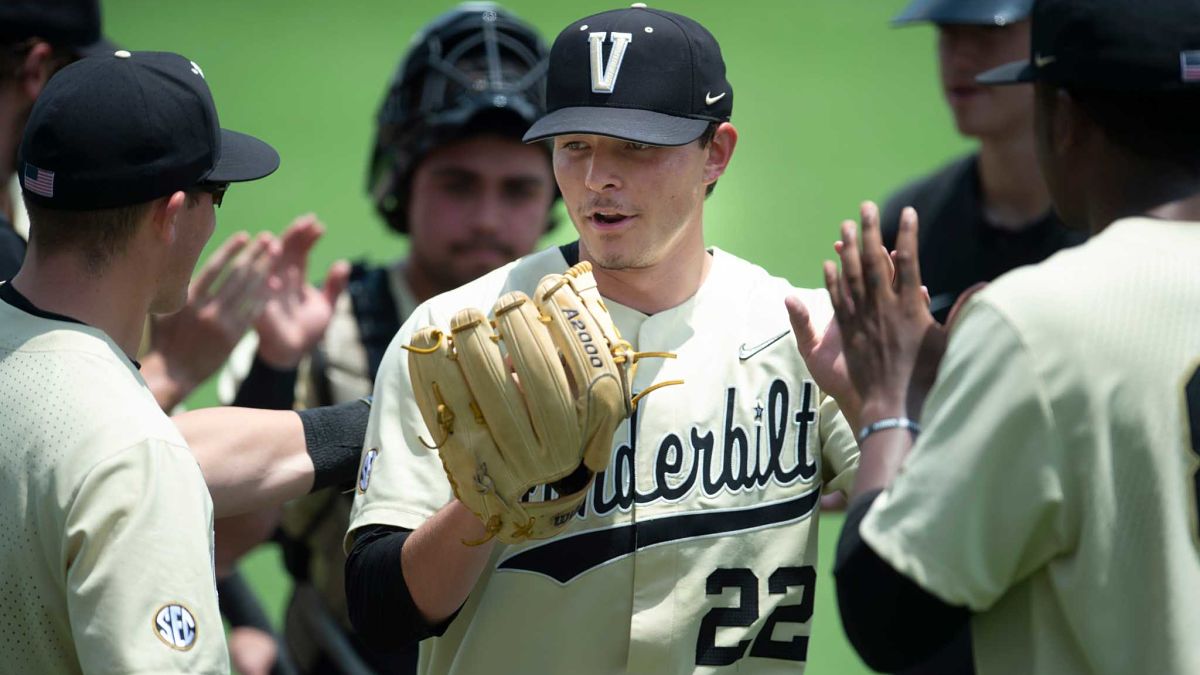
(381, 608)
(333, 437)
(894, 624)
(240, 605)
(267, 388)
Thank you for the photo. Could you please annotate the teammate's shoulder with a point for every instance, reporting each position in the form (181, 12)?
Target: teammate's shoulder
(1105, 262)
(1060, 294)
(85, 408)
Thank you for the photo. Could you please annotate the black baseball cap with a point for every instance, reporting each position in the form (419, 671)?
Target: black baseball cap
(637, 74)
(127, 128)
(1110, 45)
(74, 24)
(965, 12)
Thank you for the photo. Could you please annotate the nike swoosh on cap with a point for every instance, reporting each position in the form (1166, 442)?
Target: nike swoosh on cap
(709, 99)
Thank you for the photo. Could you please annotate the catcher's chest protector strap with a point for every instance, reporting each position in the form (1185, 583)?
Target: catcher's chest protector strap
(374, 311)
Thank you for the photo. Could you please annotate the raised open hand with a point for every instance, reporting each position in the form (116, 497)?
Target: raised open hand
(296, 313)
(224, 299)
(891, 342)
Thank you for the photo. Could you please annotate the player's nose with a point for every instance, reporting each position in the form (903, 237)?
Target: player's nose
(602, 174)
(488, 215)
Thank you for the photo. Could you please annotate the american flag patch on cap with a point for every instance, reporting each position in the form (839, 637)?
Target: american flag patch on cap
(1189, 64)
(39, 181)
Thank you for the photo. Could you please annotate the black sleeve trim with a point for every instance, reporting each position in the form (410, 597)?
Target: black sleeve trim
(381, 607)
(333, 437)
(570, 252)
(267, 388)
(239, 604)
(892, 622)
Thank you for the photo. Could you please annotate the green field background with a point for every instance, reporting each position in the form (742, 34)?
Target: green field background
(833, 107)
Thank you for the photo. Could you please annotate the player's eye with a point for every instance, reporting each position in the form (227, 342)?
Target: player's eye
(458, 186)
(638, 146)
(521, 191)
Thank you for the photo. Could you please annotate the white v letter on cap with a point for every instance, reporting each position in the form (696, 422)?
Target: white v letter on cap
(604, 77)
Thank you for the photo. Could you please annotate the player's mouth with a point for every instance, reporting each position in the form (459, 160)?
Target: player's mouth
(603, 219)
(962, 93)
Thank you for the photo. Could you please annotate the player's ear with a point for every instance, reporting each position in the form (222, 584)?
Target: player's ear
(36, 69)
(164, 215)
(1070, 125)
(720, 151)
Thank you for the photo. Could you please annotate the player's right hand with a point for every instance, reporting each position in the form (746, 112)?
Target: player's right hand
(223, 300)
(296, 313)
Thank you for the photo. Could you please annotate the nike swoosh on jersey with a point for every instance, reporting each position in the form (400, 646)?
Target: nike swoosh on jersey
(745, 352)
(568, 557)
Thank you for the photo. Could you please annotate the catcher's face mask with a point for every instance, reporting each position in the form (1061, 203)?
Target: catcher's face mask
(474, 70)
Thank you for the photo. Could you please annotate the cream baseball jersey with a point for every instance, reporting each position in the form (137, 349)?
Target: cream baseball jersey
(696, 549)
(1054, 489)
(106, 541)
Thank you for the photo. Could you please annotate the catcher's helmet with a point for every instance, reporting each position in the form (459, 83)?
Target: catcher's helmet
(475, 69)
(980, 12)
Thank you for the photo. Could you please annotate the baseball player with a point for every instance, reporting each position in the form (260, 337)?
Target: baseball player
(183, 349)
(107, 535)
(1050, 500)
(989, 211)
(449, 171)
(695, 550)
(37, 39)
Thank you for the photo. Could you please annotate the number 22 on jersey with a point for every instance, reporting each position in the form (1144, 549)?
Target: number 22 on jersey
(746, 613)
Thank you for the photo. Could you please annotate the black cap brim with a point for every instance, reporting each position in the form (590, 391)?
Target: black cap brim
(101, 47)
(629, 124)
(966, 12)
(243, 158)
(1017, 72)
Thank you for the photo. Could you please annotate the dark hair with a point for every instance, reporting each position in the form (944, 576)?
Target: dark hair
(1159, 127)
(98, 235)
(710, 132)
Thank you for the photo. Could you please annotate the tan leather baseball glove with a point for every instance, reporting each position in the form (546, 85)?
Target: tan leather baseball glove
(530, 398)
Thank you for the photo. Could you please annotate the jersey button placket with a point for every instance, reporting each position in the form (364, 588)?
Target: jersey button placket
(654, 571)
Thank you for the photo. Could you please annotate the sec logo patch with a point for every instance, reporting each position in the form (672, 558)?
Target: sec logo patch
(364, 474)
(175, 625)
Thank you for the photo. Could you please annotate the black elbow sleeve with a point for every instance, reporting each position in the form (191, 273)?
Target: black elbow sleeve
(333, 437)
(893, 623)
(381, 608)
